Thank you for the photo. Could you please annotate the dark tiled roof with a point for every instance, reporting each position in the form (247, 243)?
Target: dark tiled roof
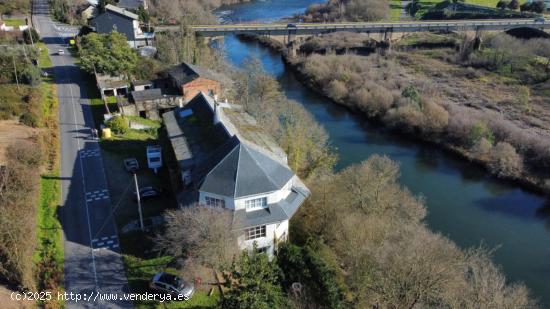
(121, 11)
(130, 4)
(142, 82)
(277, 212)
(244, 171)
(184, 73)
(181, 148)
(147, 95)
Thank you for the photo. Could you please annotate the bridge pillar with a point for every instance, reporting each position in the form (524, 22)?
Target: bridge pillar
(292, 49)
(477, 43)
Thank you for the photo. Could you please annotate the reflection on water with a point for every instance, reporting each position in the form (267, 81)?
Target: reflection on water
(463, 202)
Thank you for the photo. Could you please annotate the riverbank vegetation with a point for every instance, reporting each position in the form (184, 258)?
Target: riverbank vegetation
(186, 12)
(488, 105)
(347, 10)
(392, 261)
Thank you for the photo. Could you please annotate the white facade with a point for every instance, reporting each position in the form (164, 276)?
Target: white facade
(275, 232)
(239, 203)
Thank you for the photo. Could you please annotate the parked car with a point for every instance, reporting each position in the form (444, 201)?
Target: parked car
(172, 284)
(146, 193)
(291, 26)
(131, 165)
(61, 52)
(540, 19)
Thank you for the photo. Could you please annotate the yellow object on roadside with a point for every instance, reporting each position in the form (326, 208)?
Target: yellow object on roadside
(72, 42)
(106, 133)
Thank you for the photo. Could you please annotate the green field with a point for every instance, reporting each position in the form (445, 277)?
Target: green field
(395, 10)
(489, 3)
(14, 22)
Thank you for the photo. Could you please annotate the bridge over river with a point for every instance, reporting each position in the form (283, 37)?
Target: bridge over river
(304, 29)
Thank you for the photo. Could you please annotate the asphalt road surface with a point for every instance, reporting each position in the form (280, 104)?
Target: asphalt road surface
(93, 264)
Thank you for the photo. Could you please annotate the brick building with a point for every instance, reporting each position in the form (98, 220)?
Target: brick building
(191, 80)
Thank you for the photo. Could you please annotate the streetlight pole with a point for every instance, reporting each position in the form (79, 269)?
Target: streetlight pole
(138, 201)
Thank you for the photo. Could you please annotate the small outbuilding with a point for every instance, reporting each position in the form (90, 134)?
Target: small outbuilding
(150, 103)
(111, 85)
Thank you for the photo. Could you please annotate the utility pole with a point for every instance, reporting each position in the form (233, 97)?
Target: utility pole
(15, 71)
(138, 201)
(101, 92)
(30, 34)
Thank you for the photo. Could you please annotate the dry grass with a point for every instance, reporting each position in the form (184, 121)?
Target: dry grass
(8, 303)
(11, 131)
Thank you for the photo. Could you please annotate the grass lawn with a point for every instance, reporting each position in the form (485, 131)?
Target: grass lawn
(395, 10)
(144, 121)
(140, 271)
(489, 3)
(14, 22)
(49, 255)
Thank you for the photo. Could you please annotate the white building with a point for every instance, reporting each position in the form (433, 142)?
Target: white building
(246, 173)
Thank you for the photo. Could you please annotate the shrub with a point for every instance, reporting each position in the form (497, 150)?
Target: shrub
(31, 75)
(407, 117)
(411, 93)
(523, 99)
(437, 117)
(306, 266)
(535, 6)
(32, 112)
(513, 5)
(478, 131)
(502, 4)
(482, 148)
(374, 102)
(337, 90)
(118, 124)
(31, 36)
(505, 161)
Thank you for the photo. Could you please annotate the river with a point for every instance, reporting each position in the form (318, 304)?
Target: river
(463, 203)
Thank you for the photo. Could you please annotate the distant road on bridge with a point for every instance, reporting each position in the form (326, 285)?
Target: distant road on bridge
(311, 29)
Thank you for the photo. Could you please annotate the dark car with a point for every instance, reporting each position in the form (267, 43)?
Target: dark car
(172, 284)
(291, 26)
(131, 165)
(146, 193)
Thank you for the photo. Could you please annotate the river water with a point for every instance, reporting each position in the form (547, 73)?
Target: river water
(463, 203)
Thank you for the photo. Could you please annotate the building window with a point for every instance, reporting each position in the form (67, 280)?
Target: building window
(262, 250)
(257, 203)
(214, 202)
(254, 232)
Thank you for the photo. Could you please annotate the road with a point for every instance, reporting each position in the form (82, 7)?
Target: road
(93, 264)
(372, 27)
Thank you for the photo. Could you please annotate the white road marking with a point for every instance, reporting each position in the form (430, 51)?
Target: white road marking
(97, 195)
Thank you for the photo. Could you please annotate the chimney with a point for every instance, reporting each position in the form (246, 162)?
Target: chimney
(216, 113)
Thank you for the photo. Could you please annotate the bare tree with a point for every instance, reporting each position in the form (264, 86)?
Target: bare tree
(201, 232)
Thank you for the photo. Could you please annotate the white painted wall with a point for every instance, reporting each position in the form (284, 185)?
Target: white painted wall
(274, 230)
(272, 197)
